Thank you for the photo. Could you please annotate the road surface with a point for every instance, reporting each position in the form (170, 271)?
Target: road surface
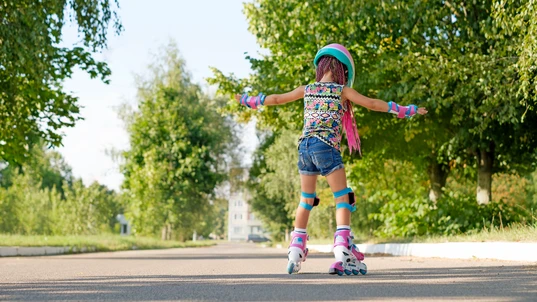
(246, 272)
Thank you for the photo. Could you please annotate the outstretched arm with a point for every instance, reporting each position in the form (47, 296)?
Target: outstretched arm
(379, 105)
(271, 100)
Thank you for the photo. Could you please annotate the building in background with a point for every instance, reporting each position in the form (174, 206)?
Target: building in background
(125, 226)
(241, 222)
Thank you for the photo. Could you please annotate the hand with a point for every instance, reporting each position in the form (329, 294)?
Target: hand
(422, 110)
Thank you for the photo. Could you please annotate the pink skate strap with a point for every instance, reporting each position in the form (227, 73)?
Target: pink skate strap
(359, 255)
(298, 240)
(345, 234)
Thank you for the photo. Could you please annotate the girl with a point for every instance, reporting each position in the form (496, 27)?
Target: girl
(328, 109)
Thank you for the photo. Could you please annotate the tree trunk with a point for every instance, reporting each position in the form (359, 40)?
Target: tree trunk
(163, 235)
(166, 233)
(169, 232)
(485, 162)
(438, 174)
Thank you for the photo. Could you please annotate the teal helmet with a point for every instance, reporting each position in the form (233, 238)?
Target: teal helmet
(342, 54)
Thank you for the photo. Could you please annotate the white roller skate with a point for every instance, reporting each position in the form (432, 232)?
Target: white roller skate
(297, 252)
(348, 257)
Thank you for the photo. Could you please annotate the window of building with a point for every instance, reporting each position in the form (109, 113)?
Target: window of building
(237, 230)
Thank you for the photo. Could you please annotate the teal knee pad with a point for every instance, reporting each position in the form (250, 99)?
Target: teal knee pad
(349, 206)
(309, 207)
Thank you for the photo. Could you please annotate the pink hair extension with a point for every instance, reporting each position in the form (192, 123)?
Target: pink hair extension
(329, 63)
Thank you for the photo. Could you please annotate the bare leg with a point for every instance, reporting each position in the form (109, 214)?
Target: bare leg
(298, 252)
(338, 181)
(347, 255)
(308, 184)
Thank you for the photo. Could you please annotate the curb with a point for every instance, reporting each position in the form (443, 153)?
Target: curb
(512, 251)
(9, 251)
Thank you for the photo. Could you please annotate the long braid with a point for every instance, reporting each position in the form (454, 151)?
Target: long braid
(329, 63)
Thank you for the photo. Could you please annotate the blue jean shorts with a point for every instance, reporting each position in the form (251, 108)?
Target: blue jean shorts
(316, 157)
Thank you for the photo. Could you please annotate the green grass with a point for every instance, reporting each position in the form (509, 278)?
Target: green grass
(516, 233)
(98, 243)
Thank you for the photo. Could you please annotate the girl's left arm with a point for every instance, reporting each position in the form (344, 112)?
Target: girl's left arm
(271, 100)
(379, 105)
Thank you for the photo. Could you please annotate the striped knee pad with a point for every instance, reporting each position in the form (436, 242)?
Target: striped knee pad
(349, 206)
(306, 206)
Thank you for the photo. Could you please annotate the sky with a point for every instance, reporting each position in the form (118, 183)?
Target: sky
(207, 33)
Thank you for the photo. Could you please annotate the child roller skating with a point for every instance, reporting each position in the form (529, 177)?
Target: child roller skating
(327, 112)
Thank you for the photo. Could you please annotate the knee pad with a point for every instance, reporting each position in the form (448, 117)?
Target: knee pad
(349, 206)
(306, 206)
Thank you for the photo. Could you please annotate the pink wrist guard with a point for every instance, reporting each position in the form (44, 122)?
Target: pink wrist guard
(253, 101)
(402, 111)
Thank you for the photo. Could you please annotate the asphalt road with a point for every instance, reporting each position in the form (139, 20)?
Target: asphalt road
(245, 272)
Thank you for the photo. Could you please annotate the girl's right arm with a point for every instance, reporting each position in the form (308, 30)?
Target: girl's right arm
(379, 105)
(271, 100)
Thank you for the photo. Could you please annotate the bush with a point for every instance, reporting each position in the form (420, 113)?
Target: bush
(402, 216)
(28, 209)
(452, 214)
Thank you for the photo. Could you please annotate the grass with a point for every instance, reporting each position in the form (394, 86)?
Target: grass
(97, 243)
(516, 233)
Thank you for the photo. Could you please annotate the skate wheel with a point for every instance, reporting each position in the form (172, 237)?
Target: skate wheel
(333, 271)
(355, 272)
(290, 267)
(363, 271)
(347, 272)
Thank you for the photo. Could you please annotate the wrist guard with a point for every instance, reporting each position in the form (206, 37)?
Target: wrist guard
(402, 111)
(253, 101)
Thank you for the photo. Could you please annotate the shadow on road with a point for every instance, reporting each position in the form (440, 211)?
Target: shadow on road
(506, 283)
(197, 256)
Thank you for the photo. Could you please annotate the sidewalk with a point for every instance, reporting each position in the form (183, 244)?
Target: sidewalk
(513, 251)
(40, 251)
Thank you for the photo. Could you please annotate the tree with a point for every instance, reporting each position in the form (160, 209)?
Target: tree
(41, 197)
(33, 67)
(271, 200)
(515, 20)
(47, 167)
(443, 55)
(180, 144)
(362, 27)
(466, 73)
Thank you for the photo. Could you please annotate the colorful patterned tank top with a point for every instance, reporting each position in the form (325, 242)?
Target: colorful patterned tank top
(323, 112)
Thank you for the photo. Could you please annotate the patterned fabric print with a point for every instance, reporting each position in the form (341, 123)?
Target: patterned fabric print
(323, 112)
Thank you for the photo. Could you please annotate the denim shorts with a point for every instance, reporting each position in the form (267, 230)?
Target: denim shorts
(316, 157)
